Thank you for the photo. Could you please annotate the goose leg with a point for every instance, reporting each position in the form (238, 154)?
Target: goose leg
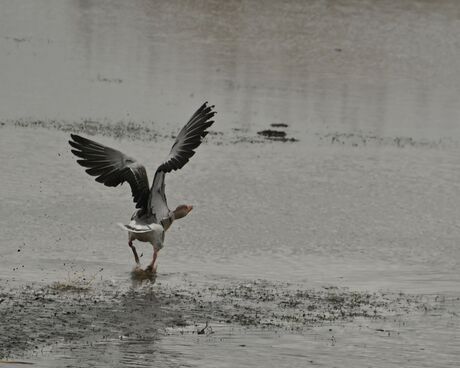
(136, 257)
(152, 267)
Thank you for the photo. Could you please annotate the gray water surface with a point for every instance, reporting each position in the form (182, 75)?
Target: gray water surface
(362, 200)
(386, 67)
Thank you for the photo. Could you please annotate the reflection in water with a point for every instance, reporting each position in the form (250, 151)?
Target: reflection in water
(386, 68)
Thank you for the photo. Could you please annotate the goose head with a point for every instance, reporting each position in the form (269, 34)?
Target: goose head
(182, 210)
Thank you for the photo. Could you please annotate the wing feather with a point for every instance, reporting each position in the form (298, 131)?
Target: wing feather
(188, 139)
(112, 167)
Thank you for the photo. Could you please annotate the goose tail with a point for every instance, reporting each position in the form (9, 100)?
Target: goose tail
(136, 228)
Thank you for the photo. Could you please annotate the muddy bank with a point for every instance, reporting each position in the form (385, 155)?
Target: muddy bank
(35, 317)
(153, 132)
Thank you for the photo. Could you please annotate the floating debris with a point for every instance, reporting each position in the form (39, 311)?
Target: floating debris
(100, 78)
(270, 133)
(276, 135)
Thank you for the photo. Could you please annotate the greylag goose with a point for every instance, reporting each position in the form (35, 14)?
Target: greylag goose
(112, 168)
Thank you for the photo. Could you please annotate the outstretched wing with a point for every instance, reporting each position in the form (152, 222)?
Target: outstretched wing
(188, 139)
(112, 167)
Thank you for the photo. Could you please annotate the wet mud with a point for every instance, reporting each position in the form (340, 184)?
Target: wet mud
(35, 317)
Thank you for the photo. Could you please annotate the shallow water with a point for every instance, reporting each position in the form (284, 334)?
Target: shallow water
(363, 217)
(364, 199)
(389, 68)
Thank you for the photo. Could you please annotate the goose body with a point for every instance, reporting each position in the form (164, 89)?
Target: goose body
(145, 229)
(152, 233)
(112, 168)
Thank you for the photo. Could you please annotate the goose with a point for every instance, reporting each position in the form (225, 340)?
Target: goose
(111, 167)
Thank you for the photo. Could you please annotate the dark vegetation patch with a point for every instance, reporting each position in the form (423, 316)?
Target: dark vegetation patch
(270, 133)
(279, 125)
(276, 135)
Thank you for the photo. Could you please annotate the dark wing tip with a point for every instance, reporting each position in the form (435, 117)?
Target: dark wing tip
(73, 139)
(76, 138)
(189, 138)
